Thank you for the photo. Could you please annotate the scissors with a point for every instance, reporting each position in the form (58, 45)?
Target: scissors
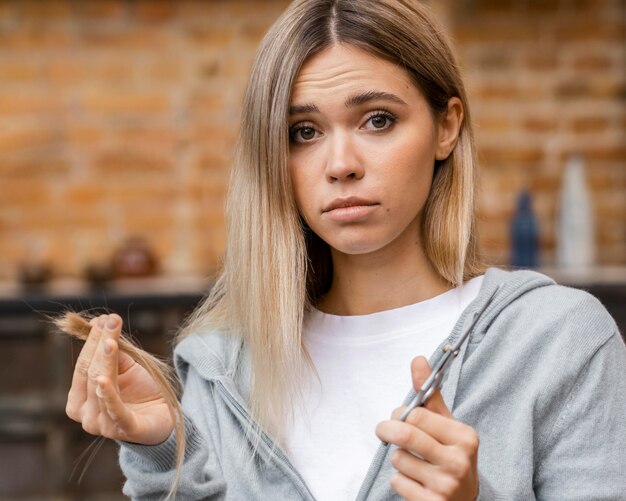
(435, 380)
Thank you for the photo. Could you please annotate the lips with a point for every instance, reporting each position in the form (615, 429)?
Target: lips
(341, 203)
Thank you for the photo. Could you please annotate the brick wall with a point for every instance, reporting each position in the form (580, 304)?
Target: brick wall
(119, 117)
(546, 78)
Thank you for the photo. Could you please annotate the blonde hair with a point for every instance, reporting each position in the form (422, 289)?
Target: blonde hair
(274, 264)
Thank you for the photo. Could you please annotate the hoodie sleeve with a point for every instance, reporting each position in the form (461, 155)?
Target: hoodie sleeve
(584, 454)
(150, 470)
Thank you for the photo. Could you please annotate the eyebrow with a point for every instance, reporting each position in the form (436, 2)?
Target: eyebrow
(351, 101)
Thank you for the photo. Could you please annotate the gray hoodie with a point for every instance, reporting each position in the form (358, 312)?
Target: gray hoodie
(542, 379)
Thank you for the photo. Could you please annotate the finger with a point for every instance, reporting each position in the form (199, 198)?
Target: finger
(110, 339)
(409, 437)
(109, 369)
(78, 391)
(416, 469)
(125, 362)
(445, 430)
(409, 489)
(397, 412)
(111, 330)
(121, 417)
(420, 370)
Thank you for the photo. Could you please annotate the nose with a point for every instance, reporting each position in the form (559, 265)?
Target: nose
(343, 161)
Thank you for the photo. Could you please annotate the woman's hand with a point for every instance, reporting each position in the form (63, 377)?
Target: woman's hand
(111, 394)
(436, 457)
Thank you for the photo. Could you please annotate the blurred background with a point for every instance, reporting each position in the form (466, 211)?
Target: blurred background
(117, 125)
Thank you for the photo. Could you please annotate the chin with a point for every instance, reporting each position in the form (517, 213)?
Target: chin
(356, 246)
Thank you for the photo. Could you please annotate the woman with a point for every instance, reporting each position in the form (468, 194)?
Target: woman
(351, 259)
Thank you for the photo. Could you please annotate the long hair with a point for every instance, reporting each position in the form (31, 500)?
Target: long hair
(274, 265)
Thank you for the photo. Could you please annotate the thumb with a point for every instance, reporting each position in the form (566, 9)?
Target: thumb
(420, 370)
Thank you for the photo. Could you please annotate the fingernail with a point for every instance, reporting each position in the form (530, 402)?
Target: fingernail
(99, 391)
(101, 321)
(111, 323)
(107, 348)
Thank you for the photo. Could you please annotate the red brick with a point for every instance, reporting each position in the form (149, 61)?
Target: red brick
(243, 9)
(501, 31)
(102, 10)
(80, 195)
(155, 139)
(497, 60)
(238, 68)
(129, 162)
(540, 60)
(545, 182)
(214, 36)
(30, 103)
(48, 10)
(154, 11)
(131, 39)
(7, 10)
(27, 139)
(130, 102)
(112, 72)
(610, 209)
(19, 71)
(59, 218)
(135, 192)
(581, 30)
(509, 154)
(494, 124)
(537, 124)
(592, 63)
(165, 70)
(34, 39)
(482, 7)
(589, 124)
(133, 222)
(81, 136)
(534, 8)
(598, 153)
(253, 31)
(586, 88)
(203, 133)
(64, 72)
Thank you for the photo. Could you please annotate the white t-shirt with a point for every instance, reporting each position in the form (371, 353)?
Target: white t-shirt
(363, 362)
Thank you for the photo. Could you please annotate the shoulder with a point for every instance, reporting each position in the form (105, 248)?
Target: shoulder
(536, 311)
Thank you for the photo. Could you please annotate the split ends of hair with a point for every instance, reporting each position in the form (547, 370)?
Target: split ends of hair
(77, 325)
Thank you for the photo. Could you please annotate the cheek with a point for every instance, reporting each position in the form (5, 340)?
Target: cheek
(409, 174)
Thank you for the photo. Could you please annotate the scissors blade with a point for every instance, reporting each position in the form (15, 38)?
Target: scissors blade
(435, 380)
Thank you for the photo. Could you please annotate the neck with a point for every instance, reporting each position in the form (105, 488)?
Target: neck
(395, 276)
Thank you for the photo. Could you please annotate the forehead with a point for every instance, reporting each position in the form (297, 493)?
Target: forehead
(342, 69)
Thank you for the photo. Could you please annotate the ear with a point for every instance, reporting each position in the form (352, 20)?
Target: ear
(448, 128)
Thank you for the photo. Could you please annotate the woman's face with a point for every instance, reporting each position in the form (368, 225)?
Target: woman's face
(363, 144)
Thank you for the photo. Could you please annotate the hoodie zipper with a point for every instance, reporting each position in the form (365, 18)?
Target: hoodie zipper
(379, 457)
(275, 451)
(381, 452)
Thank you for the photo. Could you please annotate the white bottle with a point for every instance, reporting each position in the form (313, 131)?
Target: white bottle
(575, 242)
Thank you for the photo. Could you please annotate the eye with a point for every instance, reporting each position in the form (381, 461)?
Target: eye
(302, 133)
(380, 120)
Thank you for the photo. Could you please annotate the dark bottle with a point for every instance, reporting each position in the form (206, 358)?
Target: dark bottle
(524, 234)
